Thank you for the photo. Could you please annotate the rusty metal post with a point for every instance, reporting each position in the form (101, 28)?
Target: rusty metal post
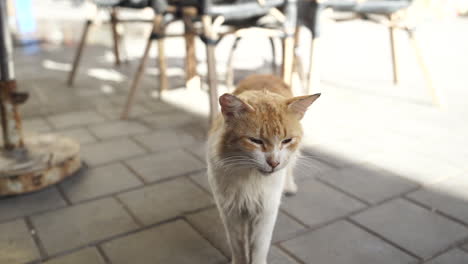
(32, 163)
(9, 98)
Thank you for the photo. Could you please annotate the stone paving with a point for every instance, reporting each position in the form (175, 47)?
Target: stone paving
(383, 177)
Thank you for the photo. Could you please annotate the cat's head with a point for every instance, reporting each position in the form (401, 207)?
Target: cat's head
(262, 129)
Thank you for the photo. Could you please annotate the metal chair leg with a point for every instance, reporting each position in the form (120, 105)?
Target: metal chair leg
(79, 51)
(288, 59)
(393, 44)
(436, 100)
(211, 61)
(115, 35)
(141, 68)
(298, 67)
(273, 55)
(229, 68)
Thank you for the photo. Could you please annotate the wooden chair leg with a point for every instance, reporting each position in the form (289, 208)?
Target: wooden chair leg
(288, 59)
(229, 68)
(393, 44)
(163, 82)
(115, 35)
(79, 51)
(211, 62)
(436, 100)
(191, 76)
(141, 68)
(314, 74)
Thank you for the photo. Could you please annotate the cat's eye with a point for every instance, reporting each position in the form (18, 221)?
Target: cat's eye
(256, 141)
(286, 141)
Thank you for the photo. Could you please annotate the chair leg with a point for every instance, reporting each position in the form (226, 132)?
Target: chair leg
(115, 35)
(79, 51)
(436, 100)
(211, 61)
(288, 59)
(314, 74)
(273, 55)
(191, 76)
(396, 77)
(298, 67)
(229, 68)
(141, 68)
(163, 82)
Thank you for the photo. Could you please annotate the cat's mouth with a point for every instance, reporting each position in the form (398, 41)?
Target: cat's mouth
(267, 172)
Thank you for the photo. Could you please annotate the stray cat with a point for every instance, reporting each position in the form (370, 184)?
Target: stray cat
(252, 148)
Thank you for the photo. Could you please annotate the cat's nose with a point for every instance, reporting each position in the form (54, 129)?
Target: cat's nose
(273, 163)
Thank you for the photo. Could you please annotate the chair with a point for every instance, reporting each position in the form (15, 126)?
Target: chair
(236, 15)
(380, 11)
(172, 10)
(242, 14)
(112, 6)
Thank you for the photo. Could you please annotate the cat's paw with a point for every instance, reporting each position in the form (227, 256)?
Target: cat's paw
(290, 189)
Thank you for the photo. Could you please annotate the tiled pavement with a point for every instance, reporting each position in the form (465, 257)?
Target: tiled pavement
(382, 180)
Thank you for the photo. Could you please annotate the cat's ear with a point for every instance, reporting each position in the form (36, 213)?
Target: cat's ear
(232, 106)
(299, 104)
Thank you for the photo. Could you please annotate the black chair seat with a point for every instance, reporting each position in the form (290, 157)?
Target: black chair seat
(158, 5)
(123, 3)
(239, 10)
(381, 7)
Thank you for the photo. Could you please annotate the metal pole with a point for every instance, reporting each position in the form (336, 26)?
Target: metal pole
(6, 58)
(9, 98)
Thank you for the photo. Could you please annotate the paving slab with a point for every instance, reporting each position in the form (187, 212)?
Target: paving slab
(28, 204)
(276, 256)
(199, 130)
(412, 227)
(345, 243)
(16, 243)
(198, 149)
(174, 242)
(35, 125)
(450, 197)
(202, 180)
(118, 129)
(316, 203)
(80, 225)
(416, 167)
(160, 107)
(100, 181)
(158, 202)
(368, 183)
(75, 119)
(170, 120)
(84, 256)
(165, 165)
(208, 223)
(79, 134)
(114, 112)
(110, 150)
(165, 140)
(308, 167)
(454, 256)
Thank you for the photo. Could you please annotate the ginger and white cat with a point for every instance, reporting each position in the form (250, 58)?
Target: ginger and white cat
(252, 148)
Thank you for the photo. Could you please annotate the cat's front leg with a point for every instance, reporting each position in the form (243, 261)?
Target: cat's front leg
(262, 233)
(238, 233)
(290, 187)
